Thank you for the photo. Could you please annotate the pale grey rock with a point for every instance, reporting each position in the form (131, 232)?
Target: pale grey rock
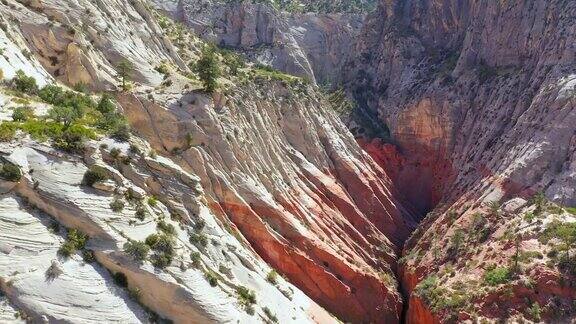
(311, 45)
(108, 185)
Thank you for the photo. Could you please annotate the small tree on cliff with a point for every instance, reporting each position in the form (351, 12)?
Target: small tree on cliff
(208, 69)
(125, 69)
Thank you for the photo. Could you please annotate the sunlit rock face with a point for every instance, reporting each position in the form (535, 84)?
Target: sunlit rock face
(310, 44)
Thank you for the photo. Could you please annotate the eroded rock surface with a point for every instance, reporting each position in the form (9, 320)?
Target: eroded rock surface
(479, 100)
(313, 45)
(261, 175)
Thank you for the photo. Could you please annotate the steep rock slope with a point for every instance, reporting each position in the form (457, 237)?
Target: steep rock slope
(260, 171)
(479, 100)
(312, 45)
(42, 283)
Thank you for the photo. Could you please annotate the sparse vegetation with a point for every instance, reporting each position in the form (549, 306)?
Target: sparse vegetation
(270, 315)
(94, 174)
(75, 240)
(125, 69)
(137, 250)
(117, 205)
(9, 171)
(162, 246)
(322, 6)
(565, 233)
(439, 297)
(24, 84)
(272, 277)
(72, 119)
(208, 69)
(340, 103)
(246, 298)
(22, 114)
(497, 276)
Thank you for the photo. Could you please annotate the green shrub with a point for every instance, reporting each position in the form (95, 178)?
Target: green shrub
(75, 240)
(272, 277)
(117, 205)
(81, 87)
(41, 130)
(535, 312)
(137, 250)
(166, 228)
(163, 69)
(72, 140)
(198, 239)
(66, 249)
(199, 225)
(51, 94)
(208, 69)
(22, 114)
(270, 315)
(106, 105)
(10, 172)
(23, 83)
(163, 246)
(121, 131)
(212, 278)
(115, 153)
(140, 213)
(497, 276)
(7, 131)
(195, 257)
(56, 96)
(246, 298)
(65, 115)
(152, 201)
(94, 174)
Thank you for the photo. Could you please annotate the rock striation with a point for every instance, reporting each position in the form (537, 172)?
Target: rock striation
(261, 175)
(309, 44)
(479, 100)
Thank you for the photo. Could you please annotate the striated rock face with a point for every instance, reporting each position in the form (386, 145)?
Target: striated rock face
(449, 92)
(83, 41)
(261, 175)
(479, 100)
(284, 171)
(312, 45)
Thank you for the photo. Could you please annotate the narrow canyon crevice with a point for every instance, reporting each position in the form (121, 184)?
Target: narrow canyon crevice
(421, 175)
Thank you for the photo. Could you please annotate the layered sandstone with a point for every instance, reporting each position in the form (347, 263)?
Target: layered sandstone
(479, 100)
(270, 170)
(312, 45)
